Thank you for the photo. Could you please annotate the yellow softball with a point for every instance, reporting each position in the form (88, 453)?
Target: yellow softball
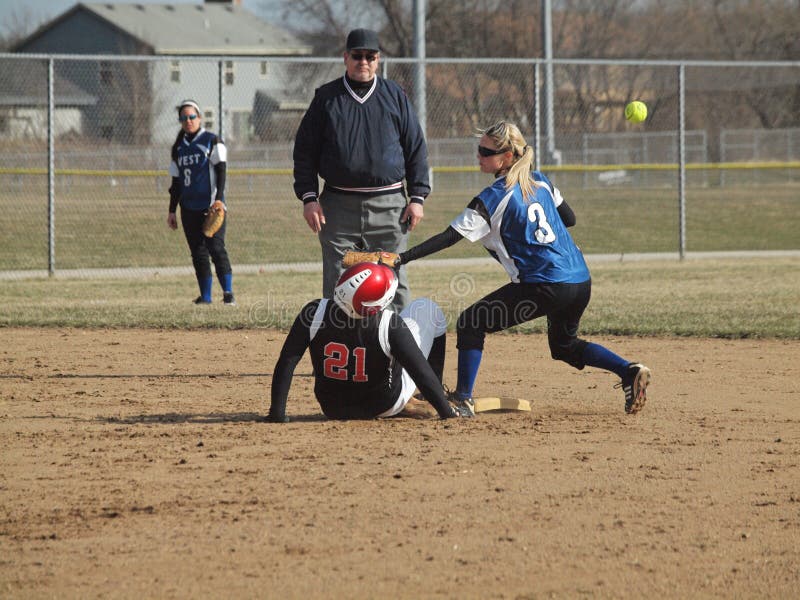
(636, 111)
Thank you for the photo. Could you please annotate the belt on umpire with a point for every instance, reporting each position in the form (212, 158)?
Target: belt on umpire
(369, 191)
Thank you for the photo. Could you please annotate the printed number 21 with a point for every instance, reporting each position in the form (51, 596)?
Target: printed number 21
(336, 358)
(544, 234)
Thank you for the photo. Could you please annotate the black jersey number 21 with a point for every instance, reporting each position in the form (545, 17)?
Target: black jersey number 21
(337, 357)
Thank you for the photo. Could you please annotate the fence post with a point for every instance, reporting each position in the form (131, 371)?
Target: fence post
(537, 121)
(547, 46)
(419, 67)
(585, 153)
(51, 173)
(682, 161)
(221, 82)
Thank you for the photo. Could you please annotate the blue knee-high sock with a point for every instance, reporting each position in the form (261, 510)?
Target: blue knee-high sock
(205, 284)
(468, 363)
(595, 355)
(226, 281)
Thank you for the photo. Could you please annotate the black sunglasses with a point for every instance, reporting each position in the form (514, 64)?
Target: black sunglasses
(358, 57)
(184, 118)
(484, 151)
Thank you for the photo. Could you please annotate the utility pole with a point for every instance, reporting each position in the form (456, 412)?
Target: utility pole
(419, 67)
(553, 156)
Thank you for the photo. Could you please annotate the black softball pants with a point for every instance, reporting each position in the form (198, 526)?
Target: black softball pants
(562, 303)
(202, 247)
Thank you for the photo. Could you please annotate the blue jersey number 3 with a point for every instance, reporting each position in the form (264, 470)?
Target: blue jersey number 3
(544, 234)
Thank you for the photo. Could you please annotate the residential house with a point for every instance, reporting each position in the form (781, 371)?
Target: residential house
(136, 99)
(23, 102)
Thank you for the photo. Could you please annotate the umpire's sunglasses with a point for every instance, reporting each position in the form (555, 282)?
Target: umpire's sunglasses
(358, 57)
(184, 118)
(484, 151)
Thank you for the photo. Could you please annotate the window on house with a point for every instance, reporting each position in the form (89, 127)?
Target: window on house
(175, 71)
(208, 120)
(106, 73)
(228, 70)
(240, 126)
(264, 68)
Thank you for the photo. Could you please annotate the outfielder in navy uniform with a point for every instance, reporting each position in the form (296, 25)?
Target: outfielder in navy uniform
(198, 179)
(362, 137)
(522, 221)
(367, 359)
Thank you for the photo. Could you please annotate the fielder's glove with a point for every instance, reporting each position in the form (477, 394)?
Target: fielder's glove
(390, 259)
(214, 218)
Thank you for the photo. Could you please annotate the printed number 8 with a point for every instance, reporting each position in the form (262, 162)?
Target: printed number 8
(187, 177)
(544, 234)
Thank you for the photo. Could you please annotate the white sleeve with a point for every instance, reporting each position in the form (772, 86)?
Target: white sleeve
(219, 154)
(471, 225)
(557, 197)
(173, 170)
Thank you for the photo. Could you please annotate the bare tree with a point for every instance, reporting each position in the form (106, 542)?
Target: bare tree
(588, 99)
(18, 25)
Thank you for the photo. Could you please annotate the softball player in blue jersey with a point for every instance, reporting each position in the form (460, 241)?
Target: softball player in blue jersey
(198, 179)
(522, 221)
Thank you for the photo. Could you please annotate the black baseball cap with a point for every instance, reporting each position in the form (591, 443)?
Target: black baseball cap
(362, 39)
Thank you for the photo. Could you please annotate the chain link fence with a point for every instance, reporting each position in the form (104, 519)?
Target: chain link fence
(84, 181)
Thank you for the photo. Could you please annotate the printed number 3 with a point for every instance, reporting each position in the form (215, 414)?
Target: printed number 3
(544, 234)
(187, 177)
(336, 358)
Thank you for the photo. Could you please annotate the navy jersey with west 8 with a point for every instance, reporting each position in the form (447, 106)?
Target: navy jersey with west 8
(195, 170)
(532, 234)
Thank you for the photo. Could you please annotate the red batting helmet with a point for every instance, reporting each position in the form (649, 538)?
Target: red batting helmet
(365, 289)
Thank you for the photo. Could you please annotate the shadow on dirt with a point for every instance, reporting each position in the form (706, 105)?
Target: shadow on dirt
(243, 417)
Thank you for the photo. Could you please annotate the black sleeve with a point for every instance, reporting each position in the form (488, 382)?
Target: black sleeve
(405, 350)
(415, 152)
(293, 349)
(220, 169)
(307, 148)
(438, 242)
(174, 194)
(566, 213)
(175, 187)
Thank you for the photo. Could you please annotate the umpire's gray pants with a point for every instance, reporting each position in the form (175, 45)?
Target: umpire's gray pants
(362, 222)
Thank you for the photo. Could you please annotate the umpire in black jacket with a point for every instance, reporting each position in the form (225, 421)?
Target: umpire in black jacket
(362, 137)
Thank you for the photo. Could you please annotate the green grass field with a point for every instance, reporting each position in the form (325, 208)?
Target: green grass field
(743, 298)
(99, 225)
(102, 223)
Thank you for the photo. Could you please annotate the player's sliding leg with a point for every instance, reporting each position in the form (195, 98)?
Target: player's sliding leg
(437, 354)
(428, 325)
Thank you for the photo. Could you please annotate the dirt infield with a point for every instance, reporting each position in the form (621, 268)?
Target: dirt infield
(134, 465)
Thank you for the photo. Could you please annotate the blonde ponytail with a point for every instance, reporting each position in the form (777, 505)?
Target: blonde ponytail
(507, 136)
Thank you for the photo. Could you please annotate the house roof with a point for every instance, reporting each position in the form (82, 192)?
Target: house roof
(198, 29)
(24, 83)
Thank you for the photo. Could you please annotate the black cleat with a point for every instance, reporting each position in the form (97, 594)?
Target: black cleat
(227, 298)
(463, 408)
(634, 384)
(199, 300)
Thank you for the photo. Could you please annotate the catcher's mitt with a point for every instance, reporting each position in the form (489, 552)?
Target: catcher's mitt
(390, 259)
(214, 219)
